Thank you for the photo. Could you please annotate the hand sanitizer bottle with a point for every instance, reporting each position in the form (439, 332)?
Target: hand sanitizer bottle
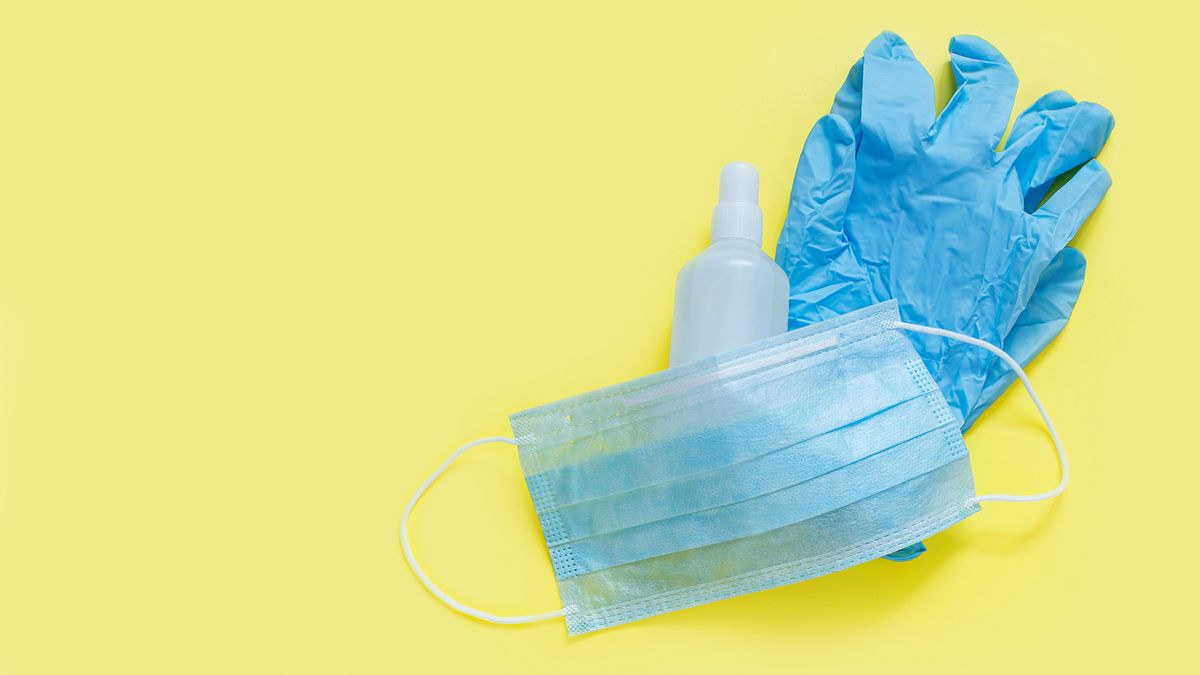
(732, 293)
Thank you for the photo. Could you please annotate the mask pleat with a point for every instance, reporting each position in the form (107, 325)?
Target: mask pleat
(578, 428)
(855, 533)
(743, 421)
(809, 499)
(762, 474)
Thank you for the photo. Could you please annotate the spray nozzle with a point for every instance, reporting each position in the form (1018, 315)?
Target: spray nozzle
(737, 213)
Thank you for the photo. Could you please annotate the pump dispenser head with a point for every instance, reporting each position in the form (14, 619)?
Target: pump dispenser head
(737, 213)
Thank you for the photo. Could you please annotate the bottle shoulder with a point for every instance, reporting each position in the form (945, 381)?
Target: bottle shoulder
(736, 253)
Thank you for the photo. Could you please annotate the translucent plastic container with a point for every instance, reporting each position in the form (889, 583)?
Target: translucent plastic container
(732, 293)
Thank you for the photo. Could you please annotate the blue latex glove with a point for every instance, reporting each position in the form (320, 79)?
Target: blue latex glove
(826, 264)
(890, 202)
(1043, 319)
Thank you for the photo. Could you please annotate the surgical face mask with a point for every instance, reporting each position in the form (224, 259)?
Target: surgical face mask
(781, 461)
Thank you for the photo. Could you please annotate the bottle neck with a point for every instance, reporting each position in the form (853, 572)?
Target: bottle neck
(741, 220)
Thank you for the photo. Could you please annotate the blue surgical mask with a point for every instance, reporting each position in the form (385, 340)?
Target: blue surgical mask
(781, 461)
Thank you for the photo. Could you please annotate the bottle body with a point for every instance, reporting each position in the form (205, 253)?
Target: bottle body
(730, 295)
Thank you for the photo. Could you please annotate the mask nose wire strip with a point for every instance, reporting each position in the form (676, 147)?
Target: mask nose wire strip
(412, 561)
(1016, 368)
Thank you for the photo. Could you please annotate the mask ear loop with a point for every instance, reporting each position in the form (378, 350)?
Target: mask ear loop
(412, 561)
(1016, 368)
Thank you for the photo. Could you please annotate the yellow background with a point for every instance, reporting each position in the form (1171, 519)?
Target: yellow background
(265, 265)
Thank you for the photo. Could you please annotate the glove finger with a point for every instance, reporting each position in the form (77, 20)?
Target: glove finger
(978, 113)
(907, 553)
(1052, 226)
(1052, 136)
(897, 97)
(1044, 317)
(1066, 210)
(1046, 234)
(826, 279)
(1031, 117)
(847, 102)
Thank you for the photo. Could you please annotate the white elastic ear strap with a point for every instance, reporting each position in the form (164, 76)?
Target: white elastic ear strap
(412, 561)
(1016, 368)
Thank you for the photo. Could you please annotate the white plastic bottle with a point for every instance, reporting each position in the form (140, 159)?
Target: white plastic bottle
(732, 293)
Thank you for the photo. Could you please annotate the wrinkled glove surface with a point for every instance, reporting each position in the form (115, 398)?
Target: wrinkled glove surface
(890, 202)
